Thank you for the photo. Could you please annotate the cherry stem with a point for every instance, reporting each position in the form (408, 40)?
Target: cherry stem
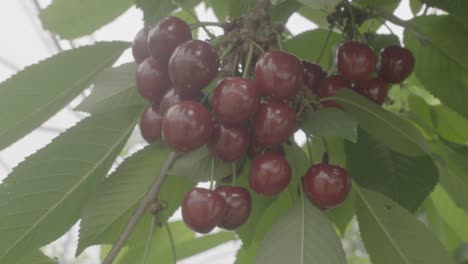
(309, 149)
(150, 196)
(212, 174)
(353, 20)
(207, 24)
(256, 45)
(149, 240)
(248, 62)
(301, 190)
(226, 51)
(234, 174)
(327, 38)
(171, 242)
(194, 16)
(325, 146)
(279, 42)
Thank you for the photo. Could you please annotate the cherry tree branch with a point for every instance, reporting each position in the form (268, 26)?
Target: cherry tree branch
(150, 195)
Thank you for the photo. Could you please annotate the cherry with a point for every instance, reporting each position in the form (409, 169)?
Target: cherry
(279, 74)
(397, 63)
(313, 74)
(329, 86)
(203, 210)
(235, 100)
(152, 79)
(326, 185)
(239, 204)
(270, 174)
(274, 123)
(229, 143)
(151, 123)
(193, 65)
(375, 89)
(355, 61)
(173, 97)
(166, 36)
(140, 45)
(187, 126)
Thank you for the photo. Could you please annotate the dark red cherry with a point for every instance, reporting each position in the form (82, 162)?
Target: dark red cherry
(274, 123)
(326, 185)
(229, 143)
(187, 126)
(151, 123)
(239, 204)
(152, 80)
(203, 210)
(166, 36)
(397, 64)
(140, 45)
(235, 100)
(193, 65)
(355, 61)
(375, 89)
(279, 74)
(329, 86)
(313, 74)
(270, 174)
(173, 97)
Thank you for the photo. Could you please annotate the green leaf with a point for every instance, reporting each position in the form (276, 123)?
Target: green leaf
(154, 10)
(185, 242)
(455, 217)
(66, 17)
(281, 12)
(325, 5)
(35, 257)
(442, 65)
(415, 6)
(113, 88)
(220, 8)
(392, 235)
(196, 165)
(342, 215)
(43, 196)
(453, 167)
(302, 235)
(315, 40)
(238, 8)
(111, 206)
(407, 180)
(398, 134)
(317, 16)
(329, 122)
(455, 7)
(380, 41)
(45, 88)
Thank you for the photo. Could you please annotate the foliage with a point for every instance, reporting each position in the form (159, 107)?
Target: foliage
(408, 159)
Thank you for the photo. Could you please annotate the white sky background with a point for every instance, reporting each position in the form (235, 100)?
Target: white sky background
(23, 42)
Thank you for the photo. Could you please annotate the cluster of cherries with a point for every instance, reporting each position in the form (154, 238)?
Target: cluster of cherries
(358, 69)
(247, 118)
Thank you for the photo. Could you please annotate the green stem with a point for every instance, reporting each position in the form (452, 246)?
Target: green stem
(248, 62)
(302, 221)
(149, 240)
(353, 20)
(256, 45)
(194, 16)
(234, 176)
(226, 51)
(279, 41)
(171, 241)
(212, 174)
(309, 149)
(206, 24)
(324, 45)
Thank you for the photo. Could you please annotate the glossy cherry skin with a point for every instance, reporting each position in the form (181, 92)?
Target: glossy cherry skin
(140, 45)
(203, 210)
(313, 75)
(193, 65)
(326, 185)
(152, 79)
(229, 143)
(151, 124)
(166, 36)
(274, 123)
(279, 74)
(375, 89)
(355, 61)
(239, 204)
(270, 174)
(173, 97)
(397, 64)
(329, 86)
(235, 100)
(187, 126)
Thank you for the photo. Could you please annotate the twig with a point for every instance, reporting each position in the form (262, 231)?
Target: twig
(144, 203)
